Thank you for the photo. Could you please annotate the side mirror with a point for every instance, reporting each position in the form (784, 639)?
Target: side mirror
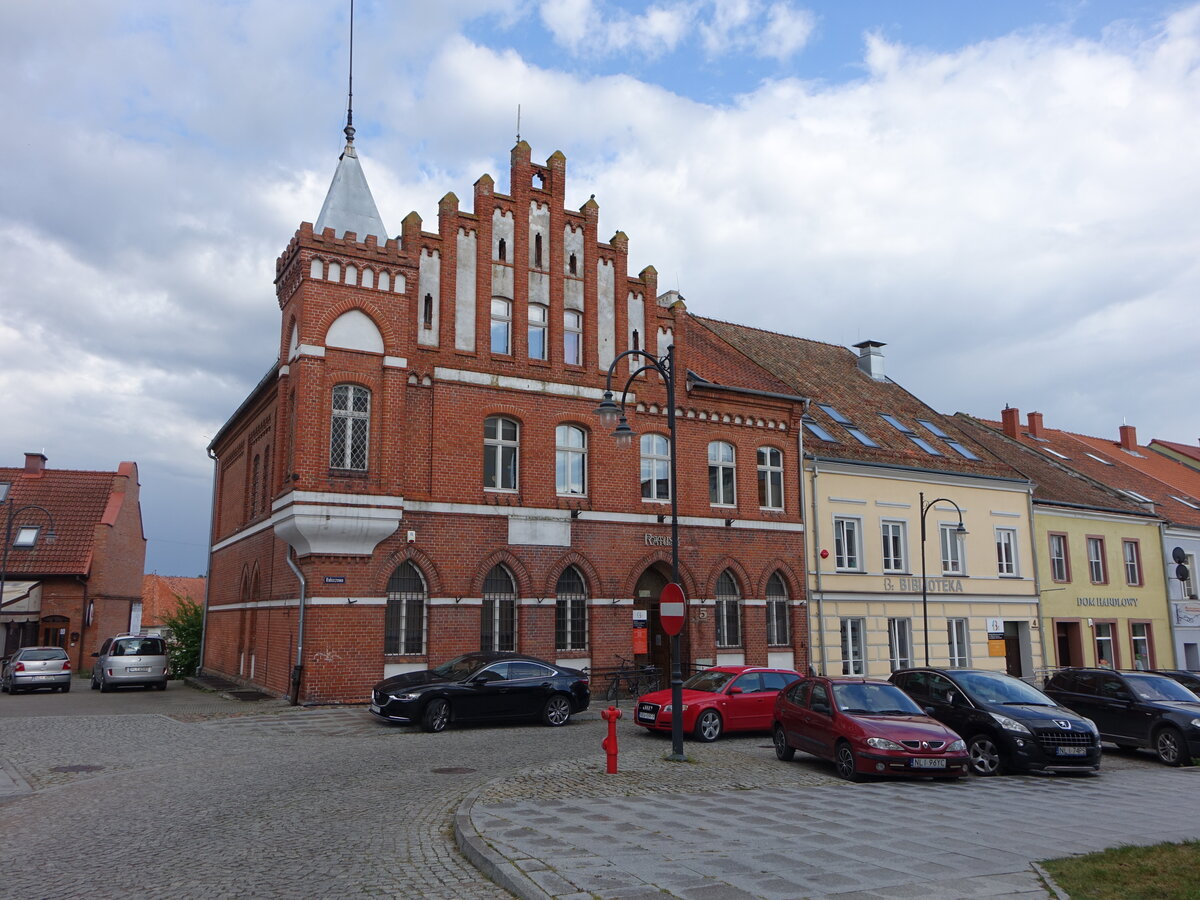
(735, 690)
(95, 656)
(929, 711)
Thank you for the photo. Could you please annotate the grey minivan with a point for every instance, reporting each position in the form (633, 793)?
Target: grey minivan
(131, 659)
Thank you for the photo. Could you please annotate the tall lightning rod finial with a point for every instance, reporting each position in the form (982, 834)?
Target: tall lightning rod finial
(349, 129)
(518, 123)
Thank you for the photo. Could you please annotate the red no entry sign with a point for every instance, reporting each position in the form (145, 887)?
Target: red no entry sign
(671, 608)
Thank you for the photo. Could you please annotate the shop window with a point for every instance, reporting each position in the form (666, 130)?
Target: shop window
(958, 643)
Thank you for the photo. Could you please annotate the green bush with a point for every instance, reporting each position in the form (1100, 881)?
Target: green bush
(183, 646)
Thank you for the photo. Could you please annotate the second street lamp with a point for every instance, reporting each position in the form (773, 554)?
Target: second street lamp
(612, 414)
(958, 532)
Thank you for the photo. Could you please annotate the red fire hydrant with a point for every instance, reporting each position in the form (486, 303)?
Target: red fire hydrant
(609, 744)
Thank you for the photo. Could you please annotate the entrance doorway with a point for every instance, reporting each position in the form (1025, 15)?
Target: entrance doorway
(1018, 661)
(1068, 644)
(658, 644)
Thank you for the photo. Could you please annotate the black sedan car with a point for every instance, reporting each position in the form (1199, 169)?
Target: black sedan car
(1009, 725)
(482, 687)
(1134, 709)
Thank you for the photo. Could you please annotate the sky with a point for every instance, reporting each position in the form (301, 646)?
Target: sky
(1006, 194)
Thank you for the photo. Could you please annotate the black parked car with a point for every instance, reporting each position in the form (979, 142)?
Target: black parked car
(1009, 725)
(482, 687)
(1190, 680)
(1134, 709)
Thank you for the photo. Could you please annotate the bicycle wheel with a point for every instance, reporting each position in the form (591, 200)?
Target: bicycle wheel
(613, 693)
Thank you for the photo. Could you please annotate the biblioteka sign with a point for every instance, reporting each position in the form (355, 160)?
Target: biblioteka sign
(933, 585)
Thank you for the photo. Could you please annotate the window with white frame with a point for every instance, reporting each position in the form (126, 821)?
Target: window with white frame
(854, 646)
(846, 551)
(1105, 648)
(1143, 646)
(1060, 569)
(900, 643)
(729, 611)
(404, 618)
(958, 644)
(498, 620)
(501, 326)
(570, 460)
(501, 443)
(952, 550)
(655, 467)
(570, 611)
(894, 540)
(1006, 551)
(350, 426)
(721, 474)
(1133, 563)
(538, 317)
(1097, 569)
(778, 629)
(770, 478)
(573, 338)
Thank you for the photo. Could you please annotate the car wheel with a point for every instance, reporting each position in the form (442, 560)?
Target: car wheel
(437, 715)
(782, 750)
(557, 710)
(105, 687)
(985, 756)
(708, 726)
(95, 683)
(66, 688)
(847, 765)
(160, 686)
(1169, 746)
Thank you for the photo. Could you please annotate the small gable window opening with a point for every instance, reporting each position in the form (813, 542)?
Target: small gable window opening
(537, 251)
(538, 316)
(427, 312)
(501, 322)
(502, 250)
(573, 338)
(349, 427)
(573, 265)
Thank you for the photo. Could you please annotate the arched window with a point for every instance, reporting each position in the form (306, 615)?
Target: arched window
(501, 446)
(778, 630)
(770, 478)
(656, 467)
(404, 621)
(498, 621)
(570, 460)
(729, 611)
(538, 317)
(349, 427)
(570, 611)
(572, 338)
(501, 325)
(721, 474)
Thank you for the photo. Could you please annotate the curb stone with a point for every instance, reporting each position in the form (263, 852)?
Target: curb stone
(1057, 891)
(481, 855)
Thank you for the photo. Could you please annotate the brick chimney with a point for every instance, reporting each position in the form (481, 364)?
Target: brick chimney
(1129, 438)
(35, 464)
(1035, 424)
(1010, 421)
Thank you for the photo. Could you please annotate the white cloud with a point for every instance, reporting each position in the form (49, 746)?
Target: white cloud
(582, 28)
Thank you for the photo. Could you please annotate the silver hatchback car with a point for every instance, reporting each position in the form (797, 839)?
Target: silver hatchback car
(31, 668)
(131, 659)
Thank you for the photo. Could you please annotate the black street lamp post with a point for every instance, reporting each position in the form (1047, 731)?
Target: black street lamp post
(961, 530)
(612, 414)
(5, 487)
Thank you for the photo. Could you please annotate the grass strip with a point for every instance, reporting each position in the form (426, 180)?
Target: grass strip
(1159, 872)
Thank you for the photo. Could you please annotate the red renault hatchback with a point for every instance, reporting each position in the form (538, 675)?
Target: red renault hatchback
(720, 699)
(866, 728)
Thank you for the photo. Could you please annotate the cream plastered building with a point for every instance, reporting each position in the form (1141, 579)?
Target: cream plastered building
(868, 612)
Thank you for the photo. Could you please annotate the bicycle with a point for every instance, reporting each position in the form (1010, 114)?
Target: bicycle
(636, 680)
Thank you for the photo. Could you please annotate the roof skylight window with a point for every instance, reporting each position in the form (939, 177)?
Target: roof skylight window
(932, 429)
(861, 436)
(1054, 452)
(1101, 459)
(925, 445)
(961, 450)
(27, 536)
(896, 423)
(1140, 498)
(834, 414)
(820, 432)
(1190, 503)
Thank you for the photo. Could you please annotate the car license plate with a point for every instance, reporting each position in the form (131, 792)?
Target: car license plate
(42, 677)
(646, 714)
(921, 763)
(138, 669)
(1072, 751)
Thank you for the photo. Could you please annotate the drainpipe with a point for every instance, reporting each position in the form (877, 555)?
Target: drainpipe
(1037, 583)
(212, 515)
(1162, 542)
(82, 624)
(816, 532)
(800, 466)
(298, 668)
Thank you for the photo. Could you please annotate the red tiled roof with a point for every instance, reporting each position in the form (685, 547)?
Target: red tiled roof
(77, 501)
(1191, 451)
(161, 595)
(829, 374)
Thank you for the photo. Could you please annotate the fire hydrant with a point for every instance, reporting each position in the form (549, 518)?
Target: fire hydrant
(609, 744)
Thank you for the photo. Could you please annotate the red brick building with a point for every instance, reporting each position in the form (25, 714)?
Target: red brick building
(84, 585)
(161, 596)
(421, 473)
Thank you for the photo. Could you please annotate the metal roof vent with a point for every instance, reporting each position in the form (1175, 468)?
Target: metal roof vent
(870, 360)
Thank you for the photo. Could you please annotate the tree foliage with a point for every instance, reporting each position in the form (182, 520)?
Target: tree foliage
(183, 647)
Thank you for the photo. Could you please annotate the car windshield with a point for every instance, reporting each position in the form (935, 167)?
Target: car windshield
(138, 647)
(874, 700)
(991, 687)
(709, 681)
(1159, 687)
(53, 653)
(461, 666)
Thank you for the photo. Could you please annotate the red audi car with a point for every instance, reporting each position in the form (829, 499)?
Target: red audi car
(866, 728)
(720, 699)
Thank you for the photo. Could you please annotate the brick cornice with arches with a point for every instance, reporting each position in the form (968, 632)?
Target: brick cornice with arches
(408, 553)
(745, 582)
(516, 568)
(663, 557)
(591, 577)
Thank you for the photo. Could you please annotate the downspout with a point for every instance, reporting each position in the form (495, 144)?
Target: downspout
(212, 515)
(1162, 542)
(298, 668)
(807, 617)
(1037, 581)
(816, 532)
(82, 623)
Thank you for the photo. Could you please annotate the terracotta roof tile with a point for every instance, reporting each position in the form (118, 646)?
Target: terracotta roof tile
(1191, 451)
(76, 500)
(161, 595)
